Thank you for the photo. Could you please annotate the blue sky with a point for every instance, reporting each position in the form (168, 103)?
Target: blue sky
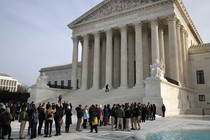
(34, 33)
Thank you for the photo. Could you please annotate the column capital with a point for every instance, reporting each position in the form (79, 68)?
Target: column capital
(182, 28)
(137, 23)
(185, 33)
(178, 24)
(172, 17)
(75, 39)
(96, 34)
(85, 37)
(108, 32)
(123, 28)
(154, 22)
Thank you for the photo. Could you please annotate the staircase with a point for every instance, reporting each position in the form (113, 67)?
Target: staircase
(114, 96)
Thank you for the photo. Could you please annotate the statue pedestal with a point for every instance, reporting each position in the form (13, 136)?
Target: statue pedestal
(154, 88)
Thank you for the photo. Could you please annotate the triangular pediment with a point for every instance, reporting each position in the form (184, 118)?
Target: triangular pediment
(108, 7)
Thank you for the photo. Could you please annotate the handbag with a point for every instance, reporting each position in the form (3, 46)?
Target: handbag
(95, 121)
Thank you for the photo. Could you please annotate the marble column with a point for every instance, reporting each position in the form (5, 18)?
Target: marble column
(139, 54)
(155, 40)
(187, 60)
(124, 57)
(131, 59)
(109, 60)
(174, 67)
(183, 54)
(162, 47)
(179, 45)
(161, 43)
(74, 63)
(102, 62)
(85, 62)
(116, 61)
(96, 63)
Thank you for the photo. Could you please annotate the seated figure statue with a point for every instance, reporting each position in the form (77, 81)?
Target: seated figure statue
(157, 69)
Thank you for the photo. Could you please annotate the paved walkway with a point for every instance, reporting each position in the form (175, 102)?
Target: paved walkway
(160, 124)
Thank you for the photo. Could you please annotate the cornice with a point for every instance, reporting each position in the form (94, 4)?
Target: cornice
(188, 20)
(201, 48)
(58, 67)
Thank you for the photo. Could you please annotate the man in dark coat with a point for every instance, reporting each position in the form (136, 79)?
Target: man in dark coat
(79, 117)
(58, 119)
(41, 117)
(163, 110)
(68, 118)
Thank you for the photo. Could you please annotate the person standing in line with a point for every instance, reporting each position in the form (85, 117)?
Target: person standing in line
(23, 120)
(68, 119)
(105, 116)
(132, 116)
(79, 118)
(5, 122)
(137, 117)
(128, 117)
(113, 116)
(100, 114)
(120, 115)
(163, 110)
(49, 115)
(58, 117)
(85, 116)
(41, 110)
(154, 111)
(30, 112)
(34, 121)
(93, 119)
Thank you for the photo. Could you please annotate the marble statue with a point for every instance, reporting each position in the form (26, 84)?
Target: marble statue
(157, 69)
(42, 79)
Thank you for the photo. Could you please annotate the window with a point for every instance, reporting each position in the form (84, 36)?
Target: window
(69, 84)
(200, 77)
(56, 84)
(62, 84)
(202, 98)
(49, 84)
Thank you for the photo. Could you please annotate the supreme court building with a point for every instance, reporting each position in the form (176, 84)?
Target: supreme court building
(122, 40)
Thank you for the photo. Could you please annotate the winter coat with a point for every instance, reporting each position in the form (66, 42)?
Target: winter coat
(23, 116)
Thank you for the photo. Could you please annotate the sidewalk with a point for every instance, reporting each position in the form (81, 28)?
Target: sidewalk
(183, 122)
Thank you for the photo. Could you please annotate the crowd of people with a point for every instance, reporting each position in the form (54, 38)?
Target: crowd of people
(125, 117)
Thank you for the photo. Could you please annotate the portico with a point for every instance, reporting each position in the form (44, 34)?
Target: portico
(124, 53)
(121, 39)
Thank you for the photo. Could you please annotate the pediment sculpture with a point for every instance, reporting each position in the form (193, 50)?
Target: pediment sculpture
(114, 6)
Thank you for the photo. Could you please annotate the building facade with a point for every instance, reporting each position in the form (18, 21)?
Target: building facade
(60, 76)
(122, 40)
(8, 83)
